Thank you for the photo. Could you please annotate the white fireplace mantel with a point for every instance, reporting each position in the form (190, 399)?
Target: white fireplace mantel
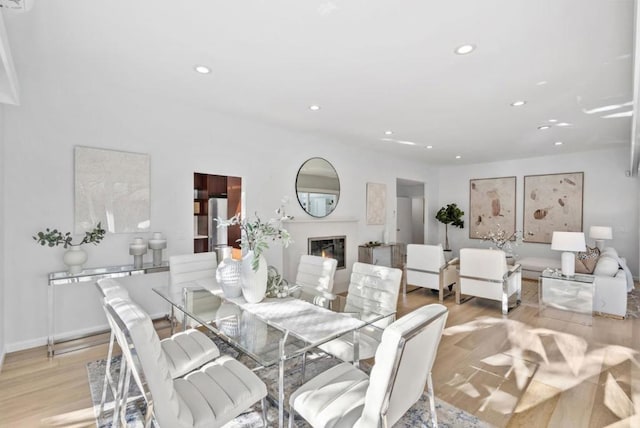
(303, 229)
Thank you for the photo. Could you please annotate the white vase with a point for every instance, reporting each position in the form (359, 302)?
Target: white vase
(228, 276)
(74, 258)
(254, 283)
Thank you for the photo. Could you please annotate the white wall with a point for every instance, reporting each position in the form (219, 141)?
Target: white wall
(2, 237)
(53, 118)
(610, 198)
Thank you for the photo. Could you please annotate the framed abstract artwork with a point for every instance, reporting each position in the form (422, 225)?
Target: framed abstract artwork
(552, 202)
(492, 206)
(376, 203)
(111, 187)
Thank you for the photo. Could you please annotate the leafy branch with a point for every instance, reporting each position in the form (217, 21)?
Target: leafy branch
(53, 238)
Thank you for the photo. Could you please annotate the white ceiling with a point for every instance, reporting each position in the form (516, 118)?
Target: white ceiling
(372, 66)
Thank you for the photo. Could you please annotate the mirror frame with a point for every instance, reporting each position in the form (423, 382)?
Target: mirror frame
(330, 165)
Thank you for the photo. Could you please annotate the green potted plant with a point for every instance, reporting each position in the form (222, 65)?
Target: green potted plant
(450, 215)
(75, 256)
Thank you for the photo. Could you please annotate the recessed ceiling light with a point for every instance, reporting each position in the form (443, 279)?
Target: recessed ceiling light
(518, 103)
(553, 120)
(558, 143)
(429, 147)
(465, 49)
(314, 107)
(202, 69)
(458, 156)
(563, 124)
(388, 132)
(543, 127)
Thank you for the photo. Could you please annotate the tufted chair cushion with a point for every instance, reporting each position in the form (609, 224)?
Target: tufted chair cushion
(315, 277)
(112, 289)
(188, 350)
(191, 267)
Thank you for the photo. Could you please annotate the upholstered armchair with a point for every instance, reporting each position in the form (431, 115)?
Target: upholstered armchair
(484, 273)
(314, 279)
(426, 267)
(345, 396)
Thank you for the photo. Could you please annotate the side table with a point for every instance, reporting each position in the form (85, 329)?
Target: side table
(566, 298)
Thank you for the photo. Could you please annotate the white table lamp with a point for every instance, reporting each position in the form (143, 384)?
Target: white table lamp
(599, 234)
(568, 242)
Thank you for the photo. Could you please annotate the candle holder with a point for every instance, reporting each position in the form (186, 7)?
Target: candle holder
(156, 244)
(137, 249)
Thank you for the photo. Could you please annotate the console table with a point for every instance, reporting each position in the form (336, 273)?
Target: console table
(88, 275)
(390, 255)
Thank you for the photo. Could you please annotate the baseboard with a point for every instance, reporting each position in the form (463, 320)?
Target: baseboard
(27, 344)
(69, 335)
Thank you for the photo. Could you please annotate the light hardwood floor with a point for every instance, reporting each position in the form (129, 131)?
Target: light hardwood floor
(516, 371)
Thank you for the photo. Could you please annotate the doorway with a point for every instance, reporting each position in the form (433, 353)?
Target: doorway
(411, 206)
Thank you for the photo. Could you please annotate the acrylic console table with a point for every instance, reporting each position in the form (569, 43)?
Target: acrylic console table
(88, 275)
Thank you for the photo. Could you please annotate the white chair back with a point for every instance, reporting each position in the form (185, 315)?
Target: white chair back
(141, 347)
(483, 263)
(111, 289)
(425, 257)
(373, 289)
(191, 267)
(315, 277)
(403, 365)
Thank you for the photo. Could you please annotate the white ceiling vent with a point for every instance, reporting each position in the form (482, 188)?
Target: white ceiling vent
(17, 5)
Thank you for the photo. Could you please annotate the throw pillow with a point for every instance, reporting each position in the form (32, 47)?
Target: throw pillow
(586, 261)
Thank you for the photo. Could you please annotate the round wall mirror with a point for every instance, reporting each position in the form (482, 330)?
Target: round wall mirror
(318, 187)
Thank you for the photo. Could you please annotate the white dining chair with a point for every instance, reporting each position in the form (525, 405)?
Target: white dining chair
(427, 267)
(195, 269)
(208, 397)
(344, 396)
(373, 291)
(314, 279)
(185, 351)
(484, 273)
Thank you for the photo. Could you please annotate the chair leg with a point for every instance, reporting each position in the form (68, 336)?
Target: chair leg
(107, 376)
(304, 367)
(432, 401)
(264, 412)
(292, 415)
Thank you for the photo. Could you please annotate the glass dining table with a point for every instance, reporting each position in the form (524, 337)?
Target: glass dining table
(274, 330)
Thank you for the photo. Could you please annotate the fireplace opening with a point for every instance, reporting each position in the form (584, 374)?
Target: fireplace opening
(328, 246)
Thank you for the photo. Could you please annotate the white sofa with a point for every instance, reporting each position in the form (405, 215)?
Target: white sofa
(613, 280)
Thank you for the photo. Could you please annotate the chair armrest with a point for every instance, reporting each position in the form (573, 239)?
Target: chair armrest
(514, 269)
(453, 262)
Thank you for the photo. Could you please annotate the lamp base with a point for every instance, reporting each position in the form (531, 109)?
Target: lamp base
(568, 261)
(600, 244)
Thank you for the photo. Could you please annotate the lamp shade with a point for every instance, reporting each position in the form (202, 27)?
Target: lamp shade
(568, 241)
(600, 232)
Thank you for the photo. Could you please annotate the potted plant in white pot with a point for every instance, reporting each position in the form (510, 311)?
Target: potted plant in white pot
(450, 215)
(75, 256)
(255, 239)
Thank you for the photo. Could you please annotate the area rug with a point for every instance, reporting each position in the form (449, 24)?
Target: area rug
(417, 416)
